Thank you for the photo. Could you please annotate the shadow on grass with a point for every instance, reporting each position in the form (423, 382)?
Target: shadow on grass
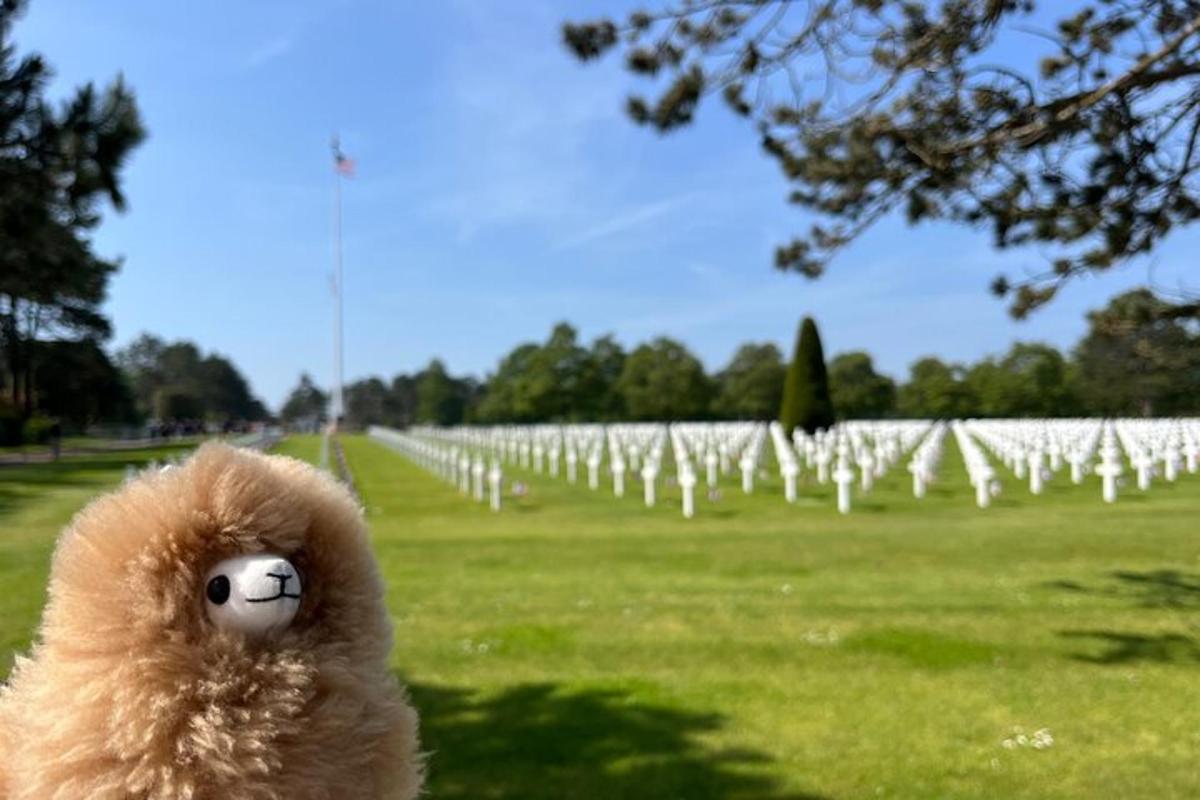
(23, 481)
(1160, 588)
(1131, 648)
(535, 741)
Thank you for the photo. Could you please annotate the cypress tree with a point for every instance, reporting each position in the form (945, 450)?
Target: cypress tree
(806, 402)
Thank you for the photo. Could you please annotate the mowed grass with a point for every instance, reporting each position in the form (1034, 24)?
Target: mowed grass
(580, 646)
(36, 501)
(305, 448)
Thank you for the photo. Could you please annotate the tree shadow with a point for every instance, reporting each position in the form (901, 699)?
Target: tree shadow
(22, 482)
(1130, 648)
(1160, 588)
(539, 741)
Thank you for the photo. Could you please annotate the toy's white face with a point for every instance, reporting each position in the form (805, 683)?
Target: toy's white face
(253, 594)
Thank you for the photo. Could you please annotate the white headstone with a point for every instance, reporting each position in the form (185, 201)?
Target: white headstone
(747, 465)
(983, 487)
(687, 482)
(495, 484)
(710, 467)
(843, 476)
(1035, 471)
(572, 465)
(1109, 469)
(866, 467)
(477, 479)
(649, 474)
(593, 466)
(789, 469)
(918, 472)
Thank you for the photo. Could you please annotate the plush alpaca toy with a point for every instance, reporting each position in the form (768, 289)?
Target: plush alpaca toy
(213, 630)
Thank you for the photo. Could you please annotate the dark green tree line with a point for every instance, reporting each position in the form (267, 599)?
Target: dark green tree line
(857, 390)
(176, 381)
(1132, 361)
(307, 406)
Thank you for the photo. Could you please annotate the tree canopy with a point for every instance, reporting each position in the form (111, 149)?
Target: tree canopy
(751, 385)
(176, 381)
(1132, 361)
(662, 380)
(935, 389)
(58, 167)
(1031, 380)
(1135, 361)
(442, 399)
(1074, 131)
(306, 404)
(857, 390)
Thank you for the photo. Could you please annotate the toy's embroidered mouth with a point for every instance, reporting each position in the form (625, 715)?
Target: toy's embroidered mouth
(279, 596)
(283, 593)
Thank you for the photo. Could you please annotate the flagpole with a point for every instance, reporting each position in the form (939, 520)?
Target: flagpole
(338, 408)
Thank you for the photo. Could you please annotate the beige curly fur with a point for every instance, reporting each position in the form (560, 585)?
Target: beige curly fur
(130, 692)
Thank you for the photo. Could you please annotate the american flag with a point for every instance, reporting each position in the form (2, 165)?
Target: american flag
(341, 164)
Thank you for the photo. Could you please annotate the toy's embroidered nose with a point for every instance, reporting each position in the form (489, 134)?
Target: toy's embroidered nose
(253, 594)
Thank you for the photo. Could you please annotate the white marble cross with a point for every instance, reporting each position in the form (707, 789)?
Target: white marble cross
(866, 464)
(593, 466)
(572, 465)
(1036, 473)
(710, 466)
(687, 482)
(1109, 469)
(918, 472)
(843, 476)
(649, 474)
(789, 469)
(983, 486)
(618, 474)
(495, 483)
(747, 465)
(477, 478)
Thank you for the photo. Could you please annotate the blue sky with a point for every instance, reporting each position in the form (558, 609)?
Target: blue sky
(500, 189)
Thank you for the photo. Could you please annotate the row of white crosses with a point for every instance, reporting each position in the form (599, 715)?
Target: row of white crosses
(1037, 449)
(636, 447)
(448, 458)
(925, 458)
(631, 449)
(721, 445)
(851, 454)
(979, 469)
(872, 447)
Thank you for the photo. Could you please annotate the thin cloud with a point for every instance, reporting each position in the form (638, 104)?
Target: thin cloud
(520, 126)
(270, 50)
(625, 221)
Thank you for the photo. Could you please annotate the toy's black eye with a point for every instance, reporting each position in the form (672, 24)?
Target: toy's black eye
(218, 590)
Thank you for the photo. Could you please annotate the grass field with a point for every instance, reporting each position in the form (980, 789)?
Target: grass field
(36, 500)
(579, 646)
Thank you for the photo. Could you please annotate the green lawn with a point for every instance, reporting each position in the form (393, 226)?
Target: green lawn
(306, 448)
(580, 646)
(36, 501)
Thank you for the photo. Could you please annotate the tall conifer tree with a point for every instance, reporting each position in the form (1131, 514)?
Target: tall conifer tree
(806, 402)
